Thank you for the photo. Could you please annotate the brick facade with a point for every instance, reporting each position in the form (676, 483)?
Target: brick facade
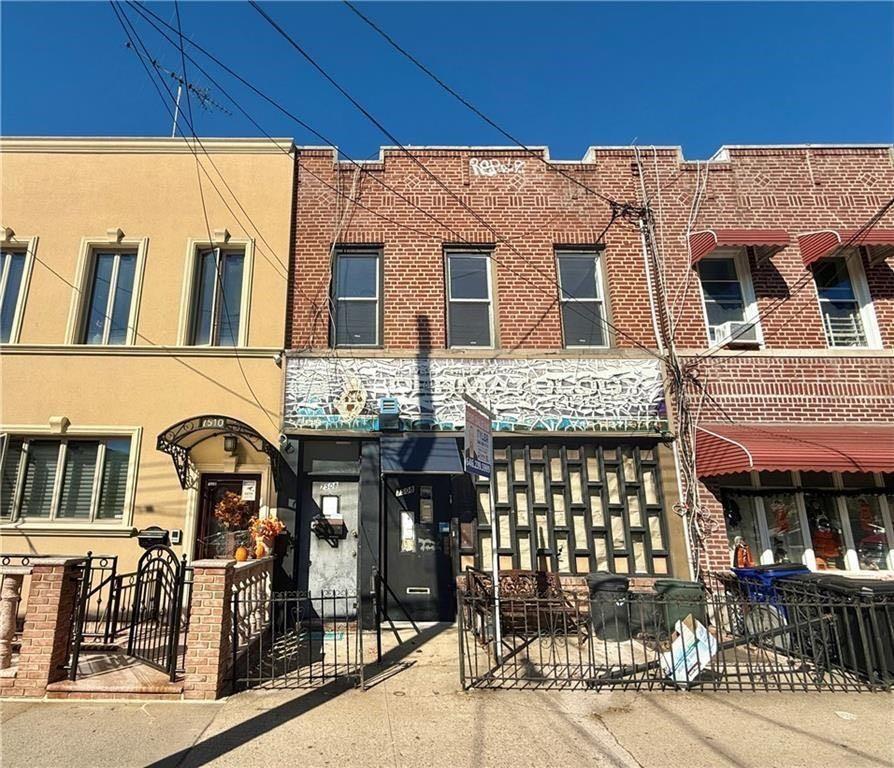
(793, 378)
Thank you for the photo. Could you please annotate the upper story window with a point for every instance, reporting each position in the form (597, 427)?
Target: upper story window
(848, 319)
(582, 299)
(728, 296)
(108, 315)
(469, 300)
(356, 314)
(217, 299)
(65, 480)
(12, 274)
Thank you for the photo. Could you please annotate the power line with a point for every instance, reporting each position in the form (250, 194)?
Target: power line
(465, 102)
(615, 213)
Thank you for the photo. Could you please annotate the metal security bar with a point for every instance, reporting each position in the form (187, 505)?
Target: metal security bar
(743, 638)
(295, 639)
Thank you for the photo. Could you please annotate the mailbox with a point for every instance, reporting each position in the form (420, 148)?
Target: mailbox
(153, 536)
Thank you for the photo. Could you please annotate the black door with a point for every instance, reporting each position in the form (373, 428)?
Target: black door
(418, 567)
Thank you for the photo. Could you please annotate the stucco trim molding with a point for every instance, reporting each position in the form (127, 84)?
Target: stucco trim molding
(137, 145)
(28, 244)
(119, 350)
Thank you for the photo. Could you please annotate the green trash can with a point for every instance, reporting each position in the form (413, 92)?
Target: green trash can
(676, 599)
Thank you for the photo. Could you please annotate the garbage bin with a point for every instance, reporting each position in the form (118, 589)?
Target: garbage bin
(865, 612)
(758, 581)
(764, 616)
(677, 599)
(609, 605)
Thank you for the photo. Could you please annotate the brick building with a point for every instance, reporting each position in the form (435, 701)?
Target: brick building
(415, 295)
(785, 311)
(489, 273)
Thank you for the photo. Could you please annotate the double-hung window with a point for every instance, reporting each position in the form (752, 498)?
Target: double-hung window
(108, 316)
(64, 480)
(844, 307)
(730, 308)
(469, 300)
(356, 316)
(217, 298)
(12, 271)
(582, 299)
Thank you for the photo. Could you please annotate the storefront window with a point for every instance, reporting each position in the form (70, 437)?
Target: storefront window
(868, 532)
(826, 536)
(742, 530)
(784, 528)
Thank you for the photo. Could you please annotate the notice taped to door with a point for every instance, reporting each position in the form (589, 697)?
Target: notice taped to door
(407, 532)
(249, 490)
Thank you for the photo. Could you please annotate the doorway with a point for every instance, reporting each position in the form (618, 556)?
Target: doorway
(418, 548)
(213, 540)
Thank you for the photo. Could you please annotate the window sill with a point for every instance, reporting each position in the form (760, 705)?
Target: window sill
(67, 529)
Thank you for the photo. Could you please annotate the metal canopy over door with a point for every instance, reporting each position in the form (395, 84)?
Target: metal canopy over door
(418, 562)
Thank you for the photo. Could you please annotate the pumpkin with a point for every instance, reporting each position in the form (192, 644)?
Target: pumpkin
(260, 550)
(241, 554)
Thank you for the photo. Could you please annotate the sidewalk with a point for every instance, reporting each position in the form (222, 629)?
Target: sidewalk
(416, 715)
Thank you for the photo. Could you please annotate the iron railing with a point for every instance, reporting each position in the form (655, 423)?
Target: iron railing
(745, 638)
(295, 639)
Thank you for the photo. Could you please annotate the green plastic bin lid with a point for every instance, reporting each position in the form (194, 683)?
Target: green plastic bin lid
(664, 585)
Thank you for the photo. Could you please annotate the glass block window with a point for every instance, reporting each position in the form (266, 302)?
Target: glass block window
(574, 508)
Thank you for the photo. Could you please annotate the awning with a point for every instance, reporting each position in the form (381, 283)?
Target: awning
(180, 438)
(765, 242)
(426, 454)
(816, 245)
(723, 449)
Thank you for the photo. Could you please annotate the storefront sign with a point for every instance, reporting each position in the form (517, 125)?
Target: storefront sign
(564, 395)
(479, 442)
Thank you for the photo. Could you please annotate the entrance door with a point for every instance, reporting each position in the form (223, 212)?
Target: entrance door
(418, 568)
(212, 538)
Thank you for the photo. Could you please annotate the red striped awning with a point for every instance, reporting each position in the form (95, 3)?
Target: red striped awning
(765, 242)
(723, 449)
(816, 245)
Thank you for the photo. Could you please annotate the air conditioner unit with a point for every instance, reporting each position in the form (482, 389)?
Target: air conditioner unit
(737, 334)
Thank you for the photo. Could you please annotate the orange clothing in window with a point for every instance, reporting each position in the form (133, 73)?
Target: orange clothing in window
(826, 544)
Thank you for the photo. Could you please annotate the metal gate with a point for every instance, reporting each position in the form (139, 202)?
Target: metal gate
(158, 609)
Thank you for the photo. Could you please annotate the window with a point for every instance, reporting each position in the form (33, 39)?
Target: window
(108, 316)
(64, 480)
(581, 298)
(827, 521)
(572, 508)
(12, 272)
(217, 298)
(355, 291)
(469, 312)
(844, 307)
(730, 309)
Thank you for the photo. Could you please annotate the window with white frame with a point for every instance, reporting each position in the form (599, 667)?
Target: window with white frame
(728, 298)
(846, 311)
(825, 520)
(217, 297)
(469, 300)
(64, 480)
(12, 274)
(108, 316)
(356, 313)
(582, 299)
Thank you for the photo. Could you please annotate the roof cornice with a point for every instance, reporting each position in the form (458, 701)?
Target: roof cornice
(139, 145)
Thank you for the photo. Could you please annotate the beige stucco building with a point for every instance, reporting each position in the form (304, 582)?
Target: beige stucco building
(131, 302)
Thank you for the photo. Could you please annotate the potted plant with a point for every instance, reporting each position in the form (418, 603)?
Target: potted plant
(264, 531)
(232, 513)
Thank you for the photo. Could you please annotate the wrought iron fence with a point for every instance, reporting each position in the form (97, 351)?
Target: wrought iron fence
(742, 638)
(295, 639)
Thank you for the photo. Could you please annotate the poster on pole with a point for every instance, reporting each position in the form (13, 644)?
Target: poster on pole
(479, 443)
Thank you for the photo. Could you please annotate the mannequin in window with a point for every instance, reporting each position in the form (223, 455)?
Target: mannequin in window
(826, 544)
(742, 557)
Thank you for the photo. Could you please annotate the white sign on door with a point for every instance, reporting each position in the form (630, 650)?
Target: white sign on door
(479, 444)
(249, 490)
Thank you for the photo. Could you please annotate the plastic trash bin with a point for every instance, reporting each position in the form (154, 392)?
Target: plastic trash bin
(758, 582)
(609, 605)
(865, 610)
(676, 599)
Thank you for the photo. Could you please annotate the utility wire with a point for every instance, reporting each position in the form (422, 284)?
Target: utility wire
(616, 213)
(465, 102)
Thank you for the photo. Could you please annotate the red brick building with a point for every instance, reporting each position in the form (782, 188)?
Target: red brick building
(488, 272)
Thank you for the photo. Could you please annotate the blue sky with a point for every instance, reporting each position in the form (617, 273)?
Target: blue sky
(562, 74)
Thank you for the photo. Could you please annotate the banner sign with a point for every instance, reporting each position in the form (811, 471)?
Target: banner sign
(479, 443)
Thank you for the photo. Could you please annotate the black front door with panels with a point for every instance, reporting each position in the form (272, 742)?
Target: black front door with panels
(418, 562)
